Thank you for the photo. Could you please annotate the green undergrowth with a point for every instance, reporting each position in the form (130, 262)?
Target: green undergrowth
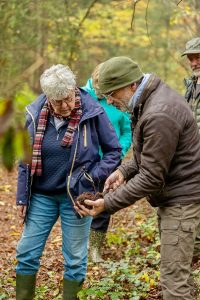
(132, 271)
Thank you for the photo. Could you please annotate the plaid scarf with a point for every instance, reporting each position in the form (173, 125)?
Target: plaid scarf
(74, 119)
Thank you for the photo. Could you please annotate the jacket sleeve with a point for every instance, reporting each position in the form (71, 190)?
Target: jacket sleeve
(125, 138)
(188, 82)
(156, 158)
(23, 184)
(129, 169)
(110, 147)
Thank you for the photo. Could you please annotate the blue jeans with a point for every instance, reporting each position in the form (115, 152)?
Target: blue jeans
(42, 215)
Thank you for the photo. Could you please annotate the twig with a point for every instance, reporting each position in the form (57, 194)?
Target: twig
(77, 30)
(179, 2)
(86, 15)
(146, 19)
(133, 14)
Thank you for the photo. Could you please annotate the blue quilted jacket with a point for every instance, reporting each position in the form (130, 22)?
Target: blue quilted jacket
(86, 171)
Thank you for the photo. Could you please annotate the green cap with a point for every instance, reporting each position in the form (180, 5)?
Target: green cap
(118, 72)
(192, 46)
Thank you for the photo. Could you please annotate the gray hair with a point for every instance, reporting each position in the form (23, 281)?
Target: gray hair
(57, 81)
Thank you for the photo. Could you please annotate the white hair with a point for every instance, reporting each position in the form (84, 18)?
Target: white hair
(57, 81)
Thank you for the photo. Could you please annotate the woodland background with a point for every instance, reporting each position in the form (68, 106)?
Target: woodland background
(36, 34)
(33, 36)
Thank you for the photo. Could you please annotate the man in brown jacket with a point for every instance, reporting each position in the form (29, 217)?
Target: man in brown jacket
(165, 167)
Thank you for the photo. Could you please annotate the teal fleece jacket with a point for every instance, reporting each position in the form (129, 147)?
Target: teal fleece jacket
(120, 120)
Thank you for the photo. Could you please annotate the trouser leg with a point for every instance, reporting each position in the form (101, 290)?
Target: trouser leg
(178, 227)
(75, 235)
(101, 222)
(42, 215)
(196, 256)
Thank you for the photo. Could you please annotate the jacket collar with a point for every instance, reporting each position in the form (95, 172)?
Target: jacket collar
(150, 86)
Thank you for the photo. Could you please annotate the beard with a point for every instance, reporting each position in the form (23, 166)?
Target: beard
(196, 72)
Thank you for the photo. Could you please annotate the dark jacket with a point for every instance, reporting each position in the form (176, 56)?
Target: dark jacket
(193, 97)
(166, 163)
(85, 170)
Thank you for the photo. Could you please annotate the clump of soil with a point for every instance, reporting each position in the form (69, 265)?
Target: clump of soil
(88, 196)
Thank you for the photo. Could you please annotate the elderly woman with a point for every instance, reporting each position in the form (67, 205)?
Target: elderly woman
(66, 128)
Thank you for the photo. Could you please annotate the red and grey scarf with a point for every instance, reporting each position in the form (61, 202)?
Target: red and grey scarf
(74, 119)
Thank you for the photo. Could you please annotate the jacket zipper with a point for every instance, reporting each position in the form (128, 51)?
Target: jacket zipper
(85, 136)
(27, 170)
(71, 170)
(58, 134)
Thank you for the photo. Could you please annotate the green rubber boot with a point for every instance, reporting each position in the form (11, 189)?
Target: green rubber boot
(95, 245)
(71, 289)
(25, 287)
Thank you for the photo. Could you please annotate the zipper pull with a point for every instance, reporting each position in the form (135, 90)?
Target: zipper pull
(85, 136)
(58, 133)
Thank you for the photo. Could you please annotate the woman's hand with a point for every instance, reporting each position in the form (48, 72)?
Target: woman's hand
(114, 181)
(21, 211)
(97, 207)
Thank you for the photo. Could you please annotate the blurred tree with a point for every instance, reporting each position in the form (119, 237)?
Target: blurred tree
(36, 34)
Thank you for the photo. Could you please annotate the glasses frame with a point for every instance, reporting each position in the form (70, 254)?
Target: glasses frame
(108, 95)
(116, 100)
(59, 102)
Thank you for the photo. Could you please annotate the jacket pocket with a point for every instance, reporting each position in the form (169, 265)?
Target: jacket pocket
(88, 182)
(169, 240)
(187, 241)
(170, 224)
(187, 227)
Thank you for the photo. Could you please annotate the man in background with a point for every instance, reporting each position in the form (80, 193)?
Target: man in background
(192, 95)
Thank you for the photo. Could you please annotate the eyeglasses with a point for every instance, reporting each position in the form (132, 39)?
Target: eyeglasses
(66, 100)
(113, 99)
(119, 103)
(107, 95)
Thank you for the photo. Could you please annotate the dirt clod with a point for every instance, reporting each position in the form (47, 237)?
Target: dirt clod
(89, 196)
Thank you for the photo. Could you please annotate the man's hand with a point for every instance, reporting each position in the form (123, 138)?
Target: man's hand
(114, 181)
(97, 207)
(21, 210)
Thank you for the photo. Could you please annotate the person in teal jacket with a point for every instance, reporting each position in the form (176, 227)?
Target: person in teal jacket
(122, 125)
(120, 120)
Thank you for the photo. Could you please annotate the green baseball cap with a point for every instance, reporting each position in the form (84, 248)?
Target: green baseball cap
(192, 46)
(118, 72)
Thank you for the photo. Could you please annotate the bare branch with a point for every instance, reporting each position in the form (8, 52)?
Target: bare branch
(146, 19)
(179, 2)
(86, 15)
(78, 28)
(135, 2)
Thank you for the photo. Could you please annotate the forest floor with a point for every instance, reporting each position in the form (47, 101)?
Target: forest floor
(131, 253)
